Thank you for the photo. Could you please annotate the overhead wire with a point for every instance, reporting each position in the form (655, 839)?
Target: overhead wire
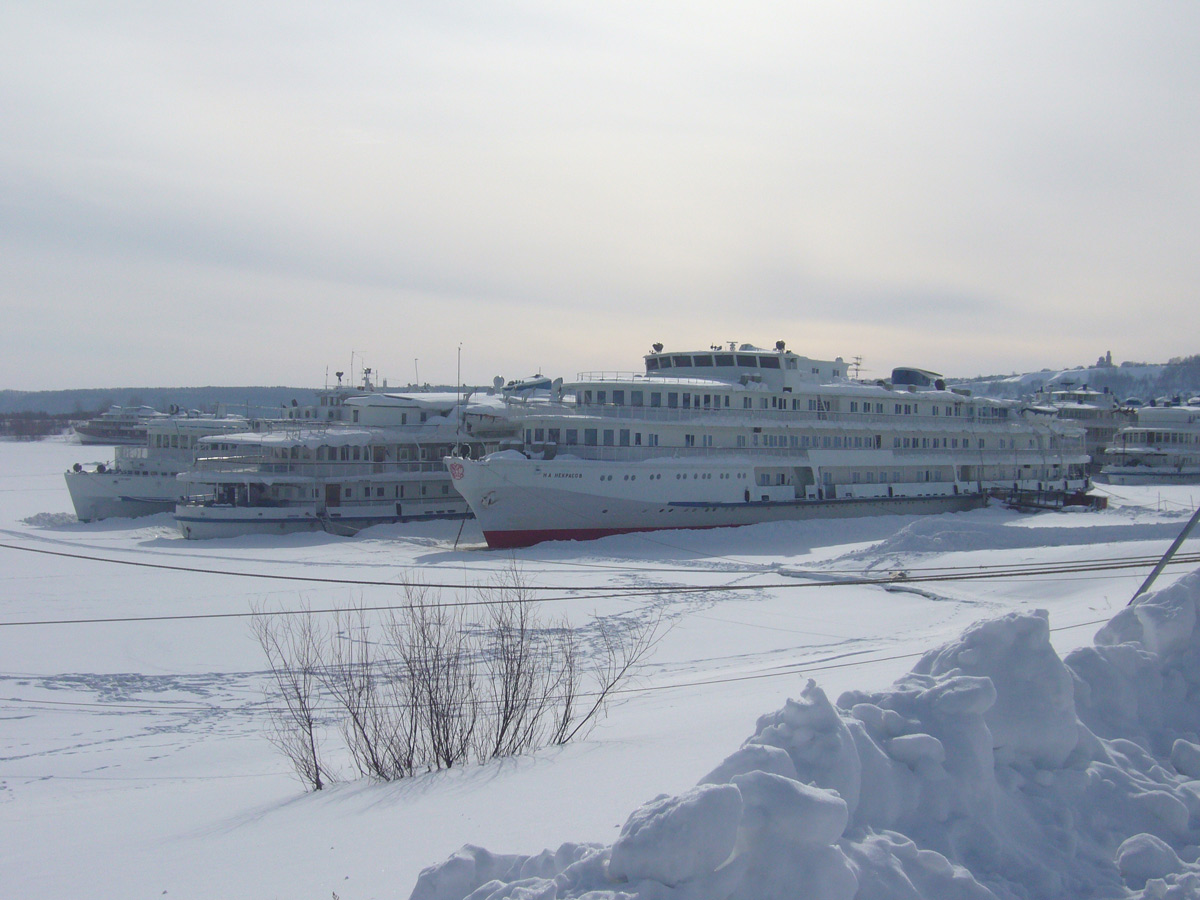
(177, 707)
(581, 593)
(749, 569)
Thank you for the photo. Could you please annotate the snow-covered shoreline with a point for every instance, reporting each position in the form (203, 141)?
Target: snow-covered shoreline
(134, 751)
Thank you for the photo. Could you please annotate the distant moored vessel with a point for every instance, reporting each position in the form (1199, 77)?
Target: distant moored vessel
(1162, 448)
(141, 481)
(118, 425)
(382, 466)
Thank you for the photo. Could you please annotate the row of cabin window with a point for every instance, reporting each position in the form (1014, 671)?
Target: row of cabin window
(857, 442)
(727, 360)
(612, 437)
(953, 443)
(625, 437)
(308, 414)
(859, 476)
(173, 441)
(375, 453)
(344, 453)
(1159, 437)
(403, 417)
(719, 401)
(366, 491)
(398, 491)
(870, 477)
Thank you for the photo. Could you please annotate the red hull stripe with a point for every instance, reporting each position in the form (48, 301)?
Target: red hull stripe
(503, 540)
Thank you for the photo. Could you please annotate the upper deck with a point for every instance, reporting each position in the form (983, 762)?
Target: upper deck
(776, 368)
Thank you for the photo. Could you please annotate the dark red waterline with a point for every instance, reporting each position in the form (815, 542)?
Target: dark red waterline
(507, 540)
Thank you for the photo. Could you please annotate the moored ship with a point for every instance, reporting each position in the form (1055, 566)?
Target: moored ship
(118, 425)
(383, 466)
(1099, 412)
(1163, 447)
(141, 480)
(739, 435)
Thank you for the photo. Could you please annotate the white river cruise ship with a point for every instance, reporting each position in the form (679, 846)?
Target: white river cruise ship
(381, 466)
(1162, 448)
(141, 481)
(739, 435)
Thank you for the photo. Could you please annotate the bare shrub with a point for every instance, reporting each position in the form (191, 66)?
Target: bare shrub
(293, 647)
(439, 665)
(429, 689)
(379, 725)
(564, 650)
(619, 654)
(520, 672)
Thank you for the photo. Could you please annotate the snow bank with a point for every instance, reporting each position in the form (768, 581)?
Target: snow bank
(994, 769)
(961, 534)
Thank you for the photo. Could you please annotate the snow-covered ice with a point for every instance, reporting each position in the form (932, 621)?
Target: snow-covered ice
(793, 733)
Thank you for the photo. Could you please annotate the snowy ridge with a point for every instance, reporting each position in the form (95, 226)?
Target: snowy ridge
(994, 769)
(962, 534)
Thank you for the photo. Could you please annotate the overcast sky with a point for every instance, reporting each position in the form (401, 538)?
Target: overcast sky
(253, 193)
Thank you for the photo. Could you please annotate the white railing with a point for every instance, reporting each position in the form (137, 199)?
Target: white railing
(617, 453)
(243, 465)
(757, 417)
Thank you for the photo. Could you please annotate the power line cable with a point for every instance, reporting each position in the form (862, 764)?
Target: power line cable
(174, 708)
(577, 593)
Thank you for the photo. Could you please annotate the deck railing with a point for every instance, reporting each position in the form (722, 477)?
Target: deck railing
(307, 468)
(758, 416)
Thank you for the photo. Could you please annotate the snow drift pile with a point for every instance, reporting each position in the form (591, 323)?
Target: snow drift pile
(994, 769)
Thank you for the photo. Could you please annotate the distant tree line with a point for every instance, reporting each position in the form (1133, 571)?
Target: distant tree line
(32, 426)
